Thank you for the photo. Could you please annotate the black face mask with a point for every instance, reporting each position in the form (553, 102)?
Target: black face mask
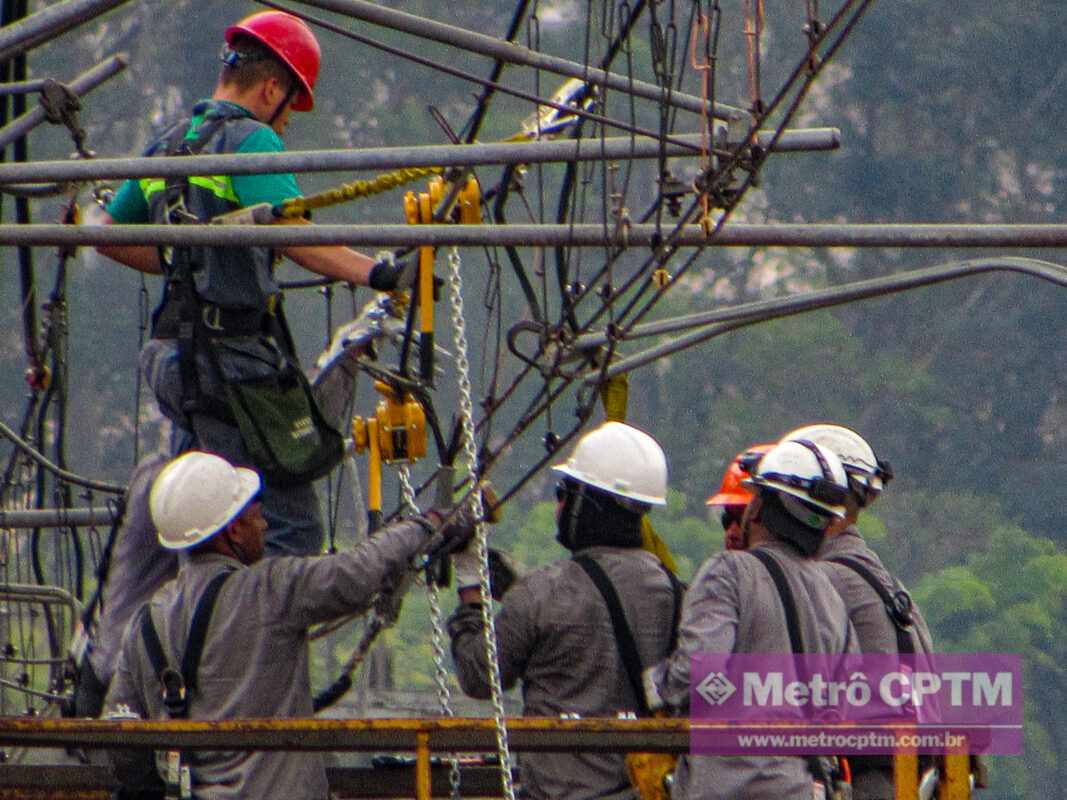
(590, 517)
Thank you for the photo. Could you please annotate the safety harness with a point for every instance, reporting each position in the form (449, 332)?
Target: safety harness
(823, 772)
(631, 659)
(646, 772)
(897, 604)
(177, 685)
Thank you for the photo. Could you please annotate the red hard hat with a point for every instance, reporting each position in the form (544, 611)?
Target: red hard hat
(732, 492)
(290, 40)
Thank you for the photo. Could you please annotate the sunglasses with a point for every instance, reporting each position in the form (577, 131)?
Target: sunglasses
(731, 517)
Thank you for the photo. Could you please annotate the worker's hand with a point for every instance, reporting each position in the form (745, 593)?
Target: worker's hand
(465, 566)
(387, 275)
(455, 527)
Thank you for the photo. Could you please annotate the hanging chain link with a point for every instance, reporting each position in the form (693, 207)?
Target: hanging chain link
(466, 415)
(437, 639)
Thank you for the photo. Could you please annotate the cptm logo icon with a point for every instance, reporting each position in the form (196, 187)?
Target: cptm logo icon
(716, 688)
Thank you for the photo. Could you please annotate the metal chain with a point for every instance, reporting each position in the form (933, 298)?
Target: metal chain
(466, 415)
(437, 641)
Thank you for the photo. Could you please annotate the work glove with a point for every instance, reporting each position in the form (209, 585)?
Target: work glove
(387, 275)
(454, 529)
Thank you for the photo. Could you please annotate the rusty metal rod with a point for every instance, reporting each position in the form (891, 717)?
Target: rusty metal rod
(388, 158)
(512, 53)
(530, 734)
(907, 236)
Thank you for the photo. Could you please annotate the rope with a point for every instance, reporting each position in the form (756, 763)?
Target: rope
(466, 415)
(297, 207)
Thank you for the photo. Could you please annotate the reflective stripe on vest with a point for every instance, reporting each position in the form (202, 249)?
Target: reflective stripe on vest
(219, 185)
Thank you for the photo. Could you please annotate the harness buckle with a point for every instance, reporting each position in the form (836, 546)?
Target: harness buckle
(901, 609)
(211, 316)
(173, 692)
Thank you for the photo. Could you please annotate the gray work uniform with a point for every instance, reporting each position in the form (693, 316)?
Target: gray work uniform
(733, 606)
(255, 658)
(872, 776)
(554, 633)
(139, 566)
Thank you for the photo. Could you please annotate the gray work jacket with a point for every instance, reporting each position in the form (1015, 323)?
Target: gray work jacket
(733, 606)
(255, 659)
(874, 628)
(872, 775)
(555, 634)
(139, 566)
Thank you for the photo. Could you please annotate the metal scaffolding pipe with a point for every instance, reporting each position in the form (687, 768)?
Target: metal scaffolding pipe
(924, 235)
(509, 52)
(81, 85)
(23, 87)
(723, 320)
(48, 23)
(56, 517)
(527, 734)
(388, 158)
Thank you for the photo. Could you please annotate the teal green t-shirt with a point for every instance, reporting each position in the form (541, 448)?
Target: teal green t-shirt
(129, 205)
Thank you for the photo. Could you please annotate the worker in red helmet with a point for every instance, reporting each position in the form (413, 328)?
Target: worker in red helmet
(733, 495)
(220, 322)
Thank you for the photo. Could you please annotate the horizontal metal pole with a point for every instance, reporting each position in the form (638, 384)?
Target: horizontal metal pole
(23, 87)
(50, 22)
(349, 782)
(724, 320)
(55, 517)
(387, 158)
(926, 235)
(81, 85)
(526, 734)
(512, 53)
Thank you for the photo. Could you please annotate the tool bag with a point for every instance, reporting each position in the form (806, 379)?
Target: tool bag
(285, 433)
(648, 772)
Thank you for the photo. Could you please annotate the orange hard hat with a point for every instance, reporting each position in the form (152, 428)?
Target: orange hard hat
(292, 41)
(732, 492)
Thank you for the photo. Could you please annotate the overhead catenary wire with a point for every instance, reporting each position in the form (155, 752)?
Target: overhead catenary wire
(715, 323)
(510, 52)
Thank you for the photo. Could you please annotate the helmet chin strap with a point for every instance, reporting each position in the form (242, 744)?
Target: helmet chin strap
(289, 95)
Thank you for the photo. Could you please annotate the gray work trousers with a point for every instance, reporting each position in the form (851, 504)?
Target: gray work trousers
(294, 519)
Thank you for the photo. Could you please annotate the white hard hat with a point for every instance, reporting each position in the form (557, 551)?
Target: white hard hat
(196, 495)
(621, 460)
(865, 470)
(800, 470)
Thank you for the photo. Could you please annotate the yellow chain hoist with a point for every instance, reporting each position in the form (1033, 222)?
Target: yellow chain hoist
(396, 432)
(419, 210)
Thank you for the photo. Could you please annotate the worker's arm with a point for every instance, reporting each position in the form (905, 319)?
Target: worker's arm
(143, 258)
(345, 264)
(331, 261)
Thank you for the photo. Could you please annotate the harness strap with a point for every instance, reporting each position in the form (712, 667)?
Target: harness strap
(176, 685)
(816, 766)
(897, 604)
(789, 604)
(624, 637)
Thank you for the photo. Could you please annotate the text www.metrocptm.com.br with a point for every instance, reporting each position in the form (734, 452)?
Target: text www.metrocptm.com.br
(852, 742)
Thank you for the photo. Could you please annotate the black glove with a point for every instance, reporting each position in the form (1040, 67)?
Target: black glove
(388, 276)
